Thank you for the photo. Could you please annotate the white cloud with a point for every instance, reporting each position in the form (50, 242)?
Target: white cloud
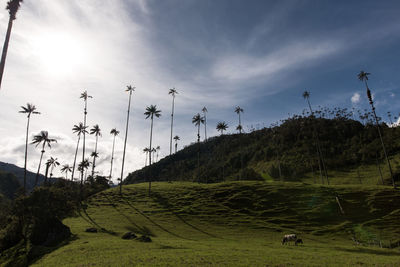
(355, 98)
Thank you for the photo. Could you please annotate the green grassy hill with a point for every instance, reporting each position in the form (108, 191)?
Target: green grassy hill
(235, 224)
(350, 150)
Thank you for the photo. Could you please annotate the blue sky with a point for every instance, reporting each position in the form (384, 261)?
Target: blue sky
(260, 55)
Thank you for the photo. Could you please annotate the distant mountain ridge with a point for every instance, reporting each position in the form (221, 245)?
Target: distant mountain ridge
(19, 173)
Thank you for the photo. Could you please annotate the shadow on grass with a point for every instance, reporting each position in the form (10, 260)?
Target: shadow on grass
(383, 252)
(37, 252)
(166, 205)
(135, 227)
(93, 222)
(150, 220)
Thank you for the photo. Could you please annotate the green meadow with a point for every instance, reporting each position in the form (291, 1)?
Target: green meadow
(234, 224)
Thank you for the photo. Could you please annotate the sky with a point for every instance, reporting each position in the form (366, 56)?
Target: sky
(260, 55)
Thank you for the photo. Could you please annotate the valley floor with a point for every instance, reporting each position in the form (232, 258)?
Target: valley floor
(231, 224)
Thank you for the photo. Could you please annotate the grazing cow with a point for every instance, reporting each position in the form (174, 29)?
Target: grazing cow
(298, 241)
(288, 238)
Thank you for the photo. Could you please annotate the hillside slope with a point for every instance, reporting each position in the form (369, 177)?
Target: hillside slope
(347, 146)
(19, 173)
(9, 184)
(234, 224)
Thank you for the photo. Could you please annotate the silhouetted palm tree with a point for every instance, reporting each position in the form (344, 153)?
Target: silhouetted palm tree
(197, 120)
(94, 155)
(204, 110)
(29, 109)
(12, 7)
(52, 163)
(83, 166)
(306, 95)
(158, 151)
(151, 111)
(129, 89)
(85, 97)
(97, 132)
(222, 126)
(153, 150)
(42, 138)
(66, 168)
(172, 92)
(146, 151)
(363, 76)
(239, 110)
(176, 138)
(78, 129)
(113, 132)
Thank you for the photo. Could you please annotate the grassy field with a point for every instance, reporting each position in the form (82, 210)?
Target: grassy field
(234, 224)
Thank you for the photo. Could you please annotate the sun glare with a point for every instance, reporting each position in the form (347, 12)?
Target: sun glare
(60, 54)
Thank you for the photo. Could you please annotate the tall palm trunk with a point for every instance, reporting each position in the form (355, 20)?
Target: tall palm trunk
(176, 146)
(205, 127)
(46, 173)
(40, 163)
(94, 157)
(151, 137)
(126, 139)
(84, 140)
(76, 154)
(112, 157)
(240, 124)
(198, 153)
(172, 124)
(318, 146)
(26, 152)
(380, 134)
(5, 49)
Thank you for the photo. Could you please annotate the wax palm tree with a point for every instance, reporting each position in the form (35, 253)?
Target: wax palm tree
(146, 151)
(158, 148)
(222, 126)
(83, 166)
(29, 109)
(239, 110)
(66, 169)
(153, 150)
(42, 138)
(53, 163)
(129, 89)
(85, 97)
(151, 112)
(113, 132)
(79, 130)
(306, 95)
(94, 155)
(176, 138)
(204, 110)
(172, 92)
(12, 7)
(197, 120)
(363, 76)
(97, 132)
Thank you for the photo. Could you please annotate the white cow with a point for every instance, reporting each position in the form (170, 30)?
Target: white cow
(288, 238)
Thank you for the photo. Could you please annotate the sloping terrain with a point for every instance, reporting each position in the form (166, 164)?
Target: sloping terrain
(235, 224)
(350, 150)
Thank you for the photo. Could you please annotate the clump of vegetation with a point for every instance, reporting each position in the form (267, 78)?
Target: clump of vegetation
(34, 221)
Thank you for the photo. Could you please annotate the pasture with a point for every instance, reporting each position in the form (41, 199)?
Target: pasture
(234, 224)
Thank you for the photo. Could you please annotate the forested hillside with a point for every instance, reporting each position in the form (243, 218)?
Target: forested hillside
(287, 151)
(19, 174)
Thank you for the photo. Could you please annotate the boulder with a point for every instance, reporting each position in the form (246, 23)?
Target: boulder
(144, 238)
(91, 230)
(129, 235)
